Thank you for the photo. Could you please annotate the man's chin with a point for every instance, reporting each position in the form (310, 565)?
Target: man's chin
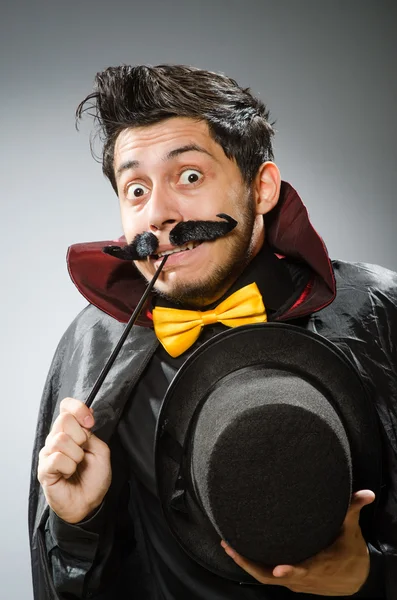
(196, 294)
(186, 294)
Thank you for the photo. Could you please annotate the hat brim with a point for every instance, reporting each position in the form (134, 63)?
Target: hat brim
(273, 346)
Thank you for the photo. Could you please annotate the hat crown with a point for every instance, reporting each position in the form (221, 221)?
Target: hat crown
(270, 457)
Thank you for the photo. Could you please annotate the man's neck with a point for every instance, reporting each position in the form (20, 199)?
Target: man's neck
(265, 269)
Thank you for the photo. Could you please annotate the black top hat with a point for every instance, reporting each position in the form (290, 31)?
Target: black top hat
(262, 437)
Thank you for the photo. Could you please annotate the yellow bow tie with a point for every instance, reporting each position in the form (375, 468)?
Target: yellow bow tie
(178, 329)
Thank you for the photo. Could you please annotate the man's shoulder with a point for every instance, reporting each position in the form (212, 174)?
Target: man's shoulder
(362, 319)
(85, 348)
(89, 320)
(366, 299)
(92, 326)
(365, 277)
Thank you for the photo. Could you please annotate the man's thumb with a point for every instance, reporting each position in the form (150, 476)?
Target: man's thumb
(359, 500)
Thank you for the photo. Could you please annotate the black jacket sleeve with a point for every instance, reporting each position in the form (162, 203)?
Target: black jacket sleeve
(77, 362)
(72, 550)
(95, 557)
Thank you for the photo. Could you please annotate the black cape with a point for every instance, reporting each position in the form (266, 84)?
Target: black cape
(352, 305)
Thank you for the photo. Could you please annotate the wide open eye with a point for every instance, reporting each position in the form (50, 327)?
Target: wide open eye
(136, 190)
(190, 176)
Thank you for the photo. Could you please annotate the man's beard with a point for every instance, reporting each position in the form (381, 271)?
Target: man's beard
(201, 293)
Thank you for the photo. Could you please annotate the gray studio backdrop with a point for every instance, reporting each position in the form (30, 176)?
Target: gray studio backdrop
(327, 69)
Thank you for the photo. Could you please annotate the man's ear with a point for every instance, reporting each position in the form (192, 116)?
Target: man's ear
(267, 185)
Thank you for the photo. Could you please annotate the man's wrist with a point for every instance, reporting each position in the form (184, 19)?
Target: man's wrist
(373, 586)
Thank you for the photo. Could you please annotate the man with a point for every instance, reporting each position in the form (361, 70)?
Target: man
(183, 145)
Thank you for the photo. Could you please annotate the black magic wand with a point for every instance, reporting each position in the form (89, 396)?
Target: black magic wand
(145, 245)
(133, 318)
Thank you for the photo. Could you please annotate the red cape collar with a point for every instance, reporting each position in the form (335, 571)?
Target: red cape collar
(116, 286)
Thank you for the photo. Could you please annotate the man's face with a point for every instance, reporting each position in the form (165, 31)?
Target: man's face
(174, 171)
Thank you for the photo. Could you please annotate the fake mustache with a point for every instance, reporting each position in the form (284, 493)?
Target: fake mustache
(145, 244)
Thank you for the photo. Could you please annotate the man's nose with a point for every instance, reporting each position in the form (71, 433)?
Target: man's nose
(163, 209)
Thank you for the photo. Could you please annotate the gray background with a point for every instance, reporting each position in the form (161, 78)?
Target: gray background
(327, 69)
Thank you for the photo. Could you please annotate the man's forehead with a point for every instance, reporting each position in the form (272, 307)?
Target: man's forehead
(177, 130)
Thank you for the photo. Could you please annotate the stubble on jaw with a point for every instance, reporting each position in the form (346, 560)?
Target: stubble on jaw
(201, 293)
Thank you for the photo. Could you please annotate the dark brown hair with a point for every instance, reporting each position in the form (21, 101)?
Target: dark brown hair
(129, 96)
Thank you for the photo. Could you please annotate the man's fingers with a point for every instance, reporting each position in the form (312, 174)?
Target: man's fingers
(259, 572)
(62, 442)
(81, 412)
(67, 423)
(362, 498)
(359, 500)
(54, 466)
(97, 446)
(289, 571)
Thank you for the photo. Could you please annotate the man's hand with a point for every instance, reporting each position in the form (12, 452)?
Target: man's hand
(339, 570)
(74, 465)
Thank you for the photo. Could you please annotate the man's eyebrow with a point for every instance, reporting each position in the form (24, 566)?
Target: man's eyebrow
(134, 164)
(129, 164)
(187, 148)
